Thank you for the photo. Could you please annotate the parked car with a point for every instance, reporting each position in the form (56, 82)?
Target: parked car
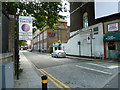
(58, 53)
(30, 50)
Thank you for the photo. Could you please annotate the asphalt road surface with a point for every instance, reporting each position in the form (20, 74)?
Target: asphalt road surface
(76, 73)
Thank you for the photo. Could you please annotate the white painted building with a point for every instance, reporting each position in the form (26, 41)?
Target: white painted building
(88, 47)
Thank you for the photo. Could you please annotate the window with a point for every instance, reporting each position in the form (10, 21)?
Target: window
(95, 30)
(85, 20)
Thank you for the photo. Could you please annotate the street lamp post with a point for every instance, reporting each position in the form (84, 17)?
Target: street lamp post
(39, 43)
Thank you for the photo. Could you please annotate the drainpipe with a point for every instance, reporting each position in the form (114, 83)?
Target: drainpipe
(104, 44)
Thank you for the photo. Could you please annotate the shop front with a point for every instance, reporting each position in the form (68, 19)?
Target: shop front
(112, 42)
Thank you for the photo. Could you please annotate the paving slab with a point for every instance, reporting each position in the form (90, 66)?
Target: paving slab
(29, 77)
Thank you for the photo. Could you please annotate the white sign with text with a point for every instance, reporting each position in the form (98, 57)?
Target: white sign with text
(25, 28)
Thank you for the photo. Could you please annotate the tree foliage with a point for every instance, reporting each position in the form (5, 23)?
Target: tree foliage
(22, 43)
(45, 14)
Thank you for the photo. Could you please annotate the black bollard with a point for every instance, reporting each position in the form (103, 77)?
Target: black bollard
(44, 82)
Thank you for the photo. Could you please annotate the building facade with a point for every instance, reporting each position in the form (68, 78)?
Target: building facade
(7, 58)
(88, 33)
(112, 38)
(43, 41)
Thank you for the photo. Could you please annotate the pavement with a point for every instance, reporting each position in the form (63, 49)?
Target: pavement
(28, 78)
(94, 59)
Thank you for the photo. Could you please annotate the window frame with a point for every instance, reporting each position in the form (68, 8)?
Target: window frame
(85, 20)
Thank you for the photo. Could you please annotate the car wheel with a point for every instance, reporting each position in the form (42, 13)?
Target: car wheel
(56, 56)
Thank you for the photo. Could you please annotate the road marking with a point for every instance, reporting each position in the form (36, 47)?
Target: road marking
(56, 79)
(51, 80)
(49, 77)
(94, 70)
(108, 67)
(97, 65)
(112, 67)
(108, 63)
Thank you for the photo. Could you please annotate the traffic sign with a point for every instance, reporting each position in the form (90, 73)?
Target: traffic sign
(25, 28)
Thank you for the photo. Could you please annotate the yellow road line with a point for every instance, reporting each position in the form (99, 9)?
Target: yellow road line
(56, 79)
(51, 80)
(48, 77)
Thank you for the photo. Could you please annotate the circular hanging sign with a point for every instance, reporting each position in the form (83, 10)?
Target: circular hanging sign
(25, 27)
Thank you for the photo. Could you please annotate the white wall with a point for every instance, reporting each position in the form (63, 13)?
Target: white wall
(98, 47)
(72, 47)
(41, 46)
(45, 45)
(85, 44)
(40, 36)
(45, 34)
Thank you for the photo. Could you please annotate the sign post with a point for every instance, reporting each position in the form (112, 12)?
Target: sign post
(25, 28)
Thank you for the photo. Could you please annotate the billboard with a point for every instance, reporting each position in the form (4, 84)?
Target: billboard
(25, 28)
(106, 7)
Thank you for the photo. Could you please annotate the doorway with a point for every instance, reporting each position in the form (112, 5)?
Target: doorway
(112, 48)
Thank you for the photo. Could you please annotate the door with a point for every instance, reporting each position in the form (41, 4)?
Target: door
(112, 50)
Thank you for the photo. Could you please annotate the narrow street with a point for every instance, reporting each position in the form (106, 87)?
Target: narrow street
(73, 73)
(60, 44)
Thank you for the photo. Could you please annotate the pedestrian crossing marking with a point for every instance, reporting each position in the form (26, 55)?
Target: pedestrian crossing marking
(94, 70)
(108, 67)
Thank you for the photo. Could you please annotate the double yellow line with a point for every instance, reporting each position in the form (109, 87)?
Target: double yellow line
(55, 81)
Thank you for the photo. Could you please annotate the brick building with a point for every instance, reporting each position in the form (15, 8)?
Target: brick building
(43, 41)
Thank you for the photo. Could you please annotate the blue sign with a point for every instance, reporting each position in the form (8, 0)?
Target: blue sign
(88, 38)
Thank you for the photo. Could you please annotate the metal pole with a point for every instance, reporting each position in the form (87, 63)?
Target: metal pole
(91, 42)
(39, 42)
(17, 49)
(79, 51)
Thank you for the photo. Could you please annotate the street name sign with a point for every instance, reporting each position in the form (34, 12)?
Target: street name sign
(25, 28)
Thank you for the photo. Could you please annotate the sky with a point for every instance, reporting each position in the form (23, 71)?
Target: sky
(66, 13)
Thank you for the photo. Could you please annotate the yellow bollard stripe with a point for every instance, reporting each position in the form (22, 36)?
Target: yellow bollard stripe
(44, 81)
